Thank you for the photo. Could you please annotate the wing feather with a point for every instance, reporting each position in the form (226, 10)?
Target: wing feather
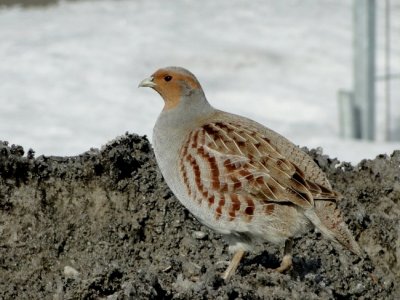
(237, 162)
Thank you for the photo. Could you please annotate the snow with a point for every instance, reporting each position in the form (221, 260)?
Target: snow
(69, 73)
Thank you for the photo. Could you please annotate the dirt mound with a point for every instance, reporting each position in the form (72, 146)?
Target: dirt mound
(105, 225)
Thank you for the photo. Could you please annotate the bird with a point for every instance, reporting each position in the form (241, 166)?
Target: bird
(238, 177)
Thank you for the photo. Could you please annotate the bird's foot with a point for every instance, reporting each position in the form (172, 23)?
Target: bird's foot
(233, 265)
(286, 264)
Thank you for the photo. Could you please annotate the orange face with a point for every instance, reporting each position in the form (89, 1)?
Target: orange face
(170, 84)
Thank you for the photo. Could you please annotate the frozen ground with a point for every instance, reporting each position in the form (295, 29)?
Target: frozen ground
(104, 225)
(69, 73)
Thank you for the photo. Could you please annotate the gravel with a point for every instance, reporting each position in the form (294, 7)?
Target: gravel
(104, 225)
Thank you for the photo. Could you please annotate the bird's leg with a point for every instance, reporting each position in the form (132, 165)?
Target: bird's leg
(233, 265)
(287, 257)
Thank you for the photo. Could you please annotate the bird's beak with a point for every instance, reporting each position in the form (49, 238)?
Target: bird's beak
(147, 82)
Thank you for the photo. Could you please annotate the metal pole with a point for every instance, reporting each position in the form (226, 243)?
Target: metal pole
(364, 65)
(387, 70)
(348, 117)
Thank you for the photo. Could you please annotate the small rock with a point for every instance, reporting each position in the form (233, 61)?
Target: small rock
(199, 235)
(70, 272)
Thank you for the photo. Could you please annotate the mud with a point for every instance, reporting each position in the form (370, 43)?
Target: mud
(104, 225)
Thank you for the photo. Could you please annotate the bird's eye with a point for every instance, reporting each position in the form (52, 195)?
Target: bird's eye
(168, 78)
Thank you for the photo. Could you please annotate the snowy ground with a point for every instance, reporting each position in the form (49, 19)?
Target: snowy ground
(69, 73)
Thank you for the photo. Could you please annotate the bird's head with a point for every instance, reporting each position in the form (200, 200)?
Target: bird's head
(173, 84)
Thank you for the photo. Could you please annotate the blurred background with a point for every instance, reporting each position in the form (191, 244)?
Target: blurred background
(322, 73)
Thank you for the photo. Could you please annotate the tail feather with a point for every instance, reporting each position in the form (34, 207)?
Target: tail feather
(328, 219)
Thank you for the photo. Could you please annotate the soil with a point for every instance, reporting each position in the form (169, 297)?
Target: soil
(104, 225)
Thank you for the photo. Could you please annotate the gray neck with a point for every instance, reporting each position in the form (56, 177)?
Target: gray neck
(190, 111)
(173, 126)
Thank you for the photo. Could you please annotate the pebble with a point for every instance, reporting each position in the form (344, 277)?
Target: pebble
(70, 272)
(199, 235)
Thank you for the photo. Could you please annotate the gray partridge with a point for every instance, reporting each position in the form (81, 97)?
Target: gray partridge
(236, 176)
